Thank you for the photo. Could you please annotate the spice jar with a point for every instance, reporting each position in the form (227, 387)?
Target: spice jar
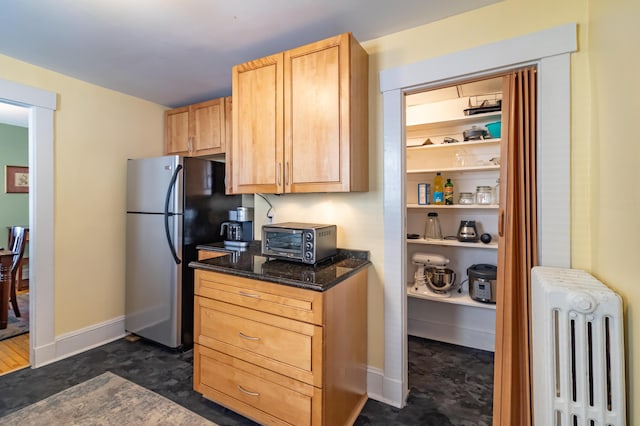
(484, 195)
(466, 198)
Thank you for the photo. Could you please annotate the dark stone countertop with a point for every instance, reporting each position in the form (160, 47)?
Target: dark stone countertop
(250, 263)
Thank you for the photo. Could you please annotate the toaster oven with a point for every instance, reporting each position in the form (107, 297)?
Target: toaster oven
(300, 242)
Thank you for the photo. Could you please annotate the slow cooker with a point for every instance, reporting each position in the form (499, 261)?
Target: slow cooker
(482, 282)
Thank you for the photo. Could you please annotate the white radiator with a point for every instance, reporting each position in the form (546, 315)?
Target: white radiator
(578, 350)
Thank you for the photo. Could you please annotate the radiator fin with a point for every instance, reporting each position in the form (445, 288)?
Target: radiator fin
(578, 351)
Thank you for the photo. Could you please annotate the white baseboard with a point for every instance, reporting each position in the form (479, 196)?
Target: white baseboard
(448, 333)
(78, 341)
(379, 386)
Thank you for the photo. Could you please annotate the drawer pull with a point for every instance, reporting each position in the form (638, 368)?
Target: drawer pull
(255, 296)
(244, 336)
(248, 392)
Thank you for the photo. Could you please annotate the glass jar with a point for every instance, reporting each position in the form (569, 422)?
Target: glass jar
(466, 198)
(484, 195)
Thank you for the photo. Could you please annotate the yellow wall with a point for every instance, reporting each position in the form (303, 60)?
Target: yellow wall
(96, 130)
(614, 175)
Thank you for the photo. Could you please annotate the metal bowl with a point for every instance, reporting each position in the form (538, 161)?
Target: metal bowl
(441, 279)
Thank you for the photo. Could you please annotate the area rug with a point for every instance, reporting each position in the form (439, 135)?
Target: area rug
(17, 326)
(107, 399)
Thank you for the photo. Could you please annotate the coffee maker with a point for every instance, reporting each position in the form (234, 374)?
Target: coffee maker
(238, 230)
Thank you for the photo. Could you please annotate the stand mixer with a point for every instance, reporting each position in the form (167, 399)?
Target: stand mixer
(432, 276)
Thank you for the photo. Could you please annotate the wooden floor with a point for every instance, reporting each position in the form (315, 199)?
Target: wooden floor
(14, 353)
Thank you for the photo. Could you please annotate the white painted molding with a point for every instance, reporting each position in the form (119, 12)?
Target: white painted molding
(550, 50)
(41, 106)
(554, 171)
(395, 331)
(79, 341)
(20, 94)
(376, 385)
(506, 53)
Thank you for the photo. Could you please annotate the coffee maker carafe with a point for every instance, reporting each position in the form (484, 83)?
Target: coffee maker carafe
(231, 230)
(238, 230)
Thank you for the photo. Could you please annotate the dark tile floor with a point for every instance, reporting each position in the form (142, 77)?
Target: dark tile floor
(450, 385)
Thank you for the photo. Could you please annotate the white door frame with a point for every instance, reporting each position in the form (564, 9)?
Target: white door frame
(41, 106)
(550, 51)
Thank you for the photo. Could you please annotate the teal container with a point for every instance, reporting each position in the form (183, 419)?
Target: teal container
(494, 129)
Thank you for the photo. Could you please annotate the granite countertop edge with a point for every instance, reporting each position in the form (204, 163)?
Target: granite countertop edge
(357, 259)
(278, 280)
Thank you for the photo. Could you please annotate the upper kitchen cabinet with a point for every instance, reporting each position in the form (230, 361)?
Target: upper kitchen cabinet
(197, 130)
(300, 120)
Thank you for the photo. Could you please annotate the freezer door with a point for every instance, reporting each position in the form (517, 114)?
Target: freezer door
(153, 297)
(149, 180)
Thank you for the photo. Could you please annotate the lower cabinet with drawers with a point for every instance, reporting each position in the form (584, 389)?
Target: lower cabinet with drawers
(280, 354)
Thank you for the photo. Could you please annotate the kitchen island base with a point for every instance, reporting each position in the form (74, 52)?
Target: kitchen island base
(279, 354)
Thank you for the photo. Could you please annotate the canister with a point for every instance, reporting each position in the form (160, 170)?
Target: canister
(484, 195)
(466, 198)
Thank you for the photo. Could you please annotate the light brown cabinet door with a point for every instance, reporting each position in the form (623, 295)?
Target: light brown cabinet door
(326, 116)
(208, 127)
(257, 148)
(196, 130)
(177, 131)
(315, 148)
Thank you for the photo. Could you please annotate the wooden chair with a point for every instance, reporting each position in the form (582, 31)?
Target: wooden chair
(17, 242)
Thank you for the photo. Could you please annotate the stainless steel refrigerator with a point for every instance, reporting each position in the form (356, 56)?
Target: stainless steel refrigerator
(174, 203)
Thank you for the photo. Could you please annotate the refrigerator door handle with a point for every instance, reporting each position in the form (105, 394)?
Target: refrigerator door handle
(167, 214)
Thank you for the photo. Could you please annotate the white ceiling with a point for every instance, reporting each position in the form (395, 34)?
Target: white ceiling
(179, 52)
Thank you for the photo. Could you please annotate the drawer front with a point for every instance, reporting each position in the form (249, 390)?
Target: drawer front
(282, 345)
(261, 395)
(277, 299)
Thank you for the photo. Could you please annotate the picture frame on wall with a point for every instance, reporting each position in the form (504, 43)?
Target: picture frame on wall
(16, 179)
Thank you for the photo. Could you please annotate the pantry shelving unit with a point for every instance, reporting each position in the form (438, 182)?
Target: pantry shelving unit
(456, 319)
(456, 298)
(455, 206)
(452, 243)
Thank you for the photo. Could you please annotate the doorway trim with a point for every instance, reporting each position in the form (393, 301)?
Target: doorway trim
(41, 105)
(550, 51)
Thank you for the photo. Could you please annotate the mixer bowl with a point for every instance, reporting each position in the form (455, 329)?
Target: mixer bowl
(441, 279)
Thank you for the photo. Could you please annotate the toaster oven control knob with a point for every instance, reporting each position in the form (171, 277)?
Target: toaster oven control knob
(308, 236)
(308, 255)
(308, 245)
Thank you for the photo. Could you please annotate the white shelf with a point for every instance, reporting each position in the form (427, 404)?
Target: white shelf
(455, 298)
(455, 169)
(453, 243)
(454, 145)
(455, 206)
(457, 121)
